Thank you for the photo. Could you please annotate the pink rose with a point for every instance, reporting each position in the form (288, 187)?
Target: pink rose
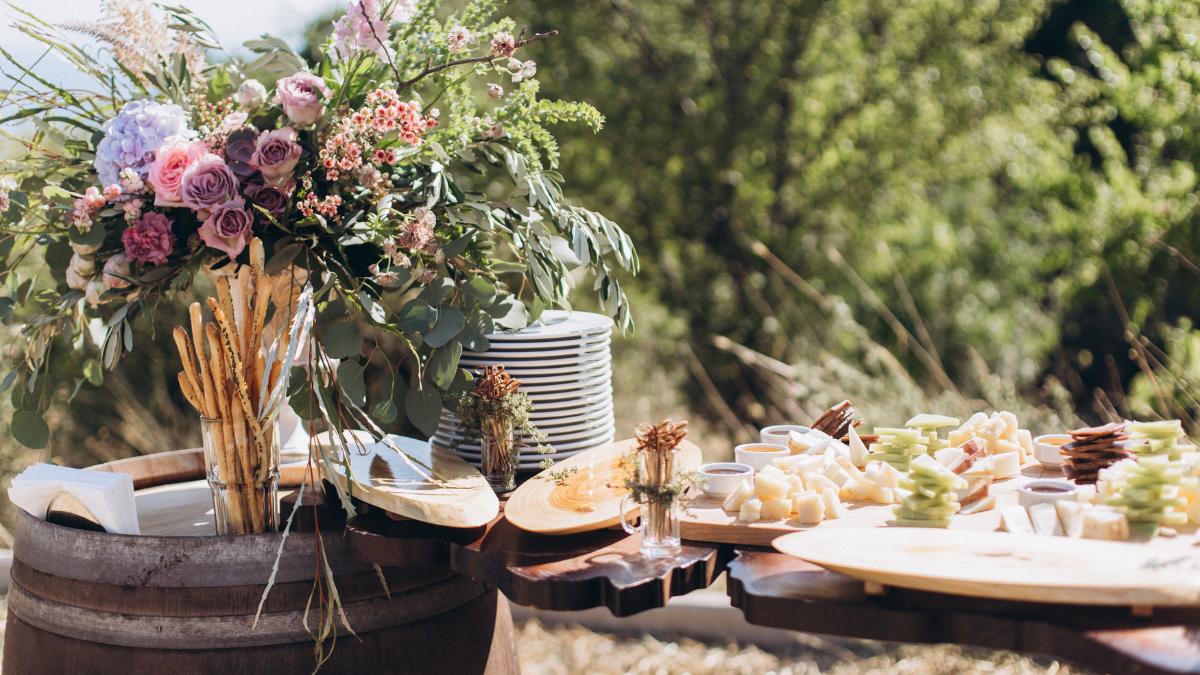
(166, 173)
(303, 97)
(116, 272)
(276, 154)
(150, 240)
(208, 182)
(227, 227)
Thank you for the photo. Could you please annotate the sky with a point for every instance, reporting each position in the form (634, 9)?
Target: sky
(234, 22)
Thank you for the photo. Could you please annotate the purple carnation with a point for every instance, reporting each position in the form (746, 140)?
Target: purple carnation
(150, 240)
(132, 137)
(208, 182)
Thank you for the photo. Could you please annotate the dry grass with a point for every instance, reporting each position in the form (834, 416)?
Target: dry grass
(574, 650)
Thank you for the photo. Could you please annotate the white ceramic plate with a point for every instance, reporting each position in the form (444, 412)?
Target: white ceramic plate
(559, 323)
(573, 369)
(523, 366)
(554, 428)
(554, 440)
(466, 449)
(515, 355)
(581, 342)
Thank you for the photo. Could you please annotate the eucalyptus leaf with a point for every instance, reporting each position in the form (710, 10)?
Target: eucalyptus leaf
(416, 317)
(443, 364)
(437, 290)
(423, 406)
(29, 429)
(341, 339)
(449, 324)
(350, 380)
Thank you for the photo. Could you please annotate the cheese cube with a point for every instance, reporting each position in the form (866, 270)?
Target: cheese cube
(1015, 519)
(833, 505)
(820, 483)
(810, 508)
(733, 502)
(770, 484)
(775, 509)
(835, 474)
(1045, 520)
(1085, 494)
(751, 511)
(1105, 523)
(1006, 465)
(806, 444)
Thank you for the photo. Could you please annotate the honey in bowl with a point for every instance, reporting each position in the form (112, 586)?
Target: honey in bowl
(724, 472)
(760, 448)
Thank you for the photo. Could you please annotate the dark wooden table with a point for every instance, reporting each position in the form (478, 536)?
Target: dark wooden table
(773, 589)
(605, 569)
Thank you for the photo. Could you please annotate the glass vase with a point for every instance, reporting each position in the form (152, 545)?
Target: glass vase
(659, 524)
(498, 442)
(243, 475)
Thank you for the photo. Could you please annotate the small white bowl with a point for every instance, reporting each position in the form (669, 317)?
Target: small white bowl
(1046, 452)
(722, 478)
(777, 434)
(1044, 491)
(758, 455)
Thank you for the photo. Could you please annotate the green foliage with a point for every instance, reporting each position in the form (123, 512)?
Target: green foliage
(892, 188)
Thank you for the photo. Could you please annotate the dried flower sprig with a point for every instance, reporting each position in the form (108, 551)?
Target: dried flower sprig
(654, 477)
(496, 383)
(497, 396)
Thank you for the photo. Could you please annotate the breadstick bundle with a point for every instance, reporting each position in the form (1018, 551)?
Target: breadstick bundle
(237, 383)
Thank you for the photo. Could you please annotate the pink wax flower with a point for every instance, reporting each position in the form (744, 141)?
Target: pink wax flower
(150, 240)
(275, 155)
(228, 227)
(504, 44)
(111, 192)
(166, 173)
(208, 182)
(303, 97)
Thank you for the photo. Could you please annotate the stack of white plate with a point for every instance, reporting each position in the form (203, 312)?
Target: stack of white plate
(564, 363)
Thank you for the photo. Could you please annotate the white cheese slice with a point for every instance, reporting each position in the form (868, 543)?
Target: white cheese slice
(1070, 517)
(733, 502)
(1006, 465)
(1045, 520)
(1105, 523)
(857, 449)
(1015, 519)
(770, 484)
(775, 509)
(810, 508)
(833, 505)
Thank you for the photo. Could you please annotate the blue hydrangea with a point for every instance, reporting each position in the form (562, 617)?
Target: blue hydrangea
(131, 137)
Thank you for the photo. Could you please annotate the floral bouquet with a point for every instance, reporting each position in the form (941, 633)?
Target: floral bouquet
(408, 177)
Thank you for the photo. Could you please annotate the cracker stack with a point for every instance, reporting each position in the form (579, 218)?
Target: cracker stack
(1092, 449)
(837, 420)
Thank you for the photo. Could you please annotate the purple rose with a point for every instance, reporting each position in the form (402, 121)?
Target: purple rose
(150, 240)
(303, 97)
(273, 198)
(227, 227)
(276, 154)
(208, 182)
(239, 148)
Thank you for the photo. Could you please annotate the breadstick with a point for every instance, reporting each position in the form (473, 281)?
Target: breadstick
(207, 395)
(237, 370)
(188, 393)
(183, 345)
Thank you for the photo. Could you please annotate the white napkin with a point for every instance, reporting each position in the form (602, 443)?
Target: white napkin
(293, 437)
(109, 496)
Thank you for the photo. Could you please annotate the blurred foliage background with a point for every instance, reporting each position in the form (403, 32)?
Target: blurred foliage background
(921, 205)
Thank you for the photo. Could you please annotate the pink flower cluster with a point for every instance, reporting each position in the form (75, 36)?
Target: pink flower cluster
(361, 29)
(327, 206)
(361, 131)
(91, 202)
(150, 240)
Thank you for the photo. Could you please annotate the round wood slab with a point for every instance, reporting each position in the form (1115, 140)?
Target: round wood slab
(586, 496)
(1006, 566)
(457, 495)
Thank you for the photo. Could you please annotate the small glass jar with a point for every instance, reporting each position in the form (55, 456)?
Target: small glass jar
(499, 450)
(243, 476)
(659, 524)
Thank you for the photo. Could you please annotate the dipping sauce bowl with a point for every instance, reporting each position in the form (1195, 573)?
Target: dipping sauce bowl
(758, 455)
(722, 478)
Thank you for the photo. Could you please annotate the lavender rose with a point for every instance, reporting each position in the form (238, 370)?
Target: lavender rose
(208, 182)
(273, 198)
(228, 227)
(276, 154)
(303, 97)
(239, 148)
(150, 240)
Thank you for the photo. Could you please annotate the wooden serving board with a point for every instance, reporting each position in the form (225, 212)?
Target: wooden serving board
(705, 520)
(588, 497)
(1008, 566)
(455, 494)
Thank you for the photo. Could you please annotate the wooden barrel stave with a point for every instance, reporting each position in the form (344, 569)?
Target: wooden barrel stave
(95, 602)
(474, 638)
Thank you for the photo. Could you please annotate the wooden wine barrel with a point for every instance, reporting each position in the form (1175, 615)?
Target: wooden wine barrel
(92, 602)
